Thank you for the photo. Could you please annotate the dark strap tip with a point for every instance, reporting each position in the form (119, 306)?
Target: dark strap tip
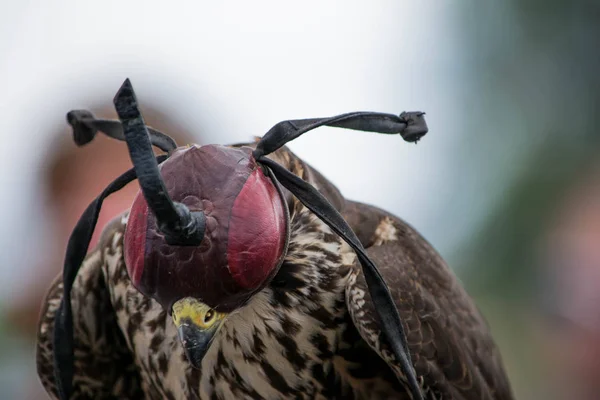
(416, 127)
(126, 103)
(83, 133)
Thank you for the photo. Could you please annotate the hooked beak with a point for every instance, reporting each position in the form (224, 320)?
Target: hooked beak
(197, 325)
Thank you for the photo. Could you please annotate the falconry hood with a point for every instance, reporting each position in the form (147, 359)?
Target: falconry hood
(211, 223)
(240, 224)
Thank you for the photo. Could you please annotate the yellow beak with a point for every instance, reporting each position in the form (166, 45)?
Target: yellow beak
(197, 325)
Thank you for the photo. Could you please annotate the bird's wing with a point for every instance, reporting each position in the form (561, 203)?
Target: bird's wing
(449, 340)
(104, 367)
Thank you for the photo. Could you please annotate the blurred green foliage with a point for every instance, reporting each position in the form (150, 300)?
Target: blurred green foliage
(535, 81)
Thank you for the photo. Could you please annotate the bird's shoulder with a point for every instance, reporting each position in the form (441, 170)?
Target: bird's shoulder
(448, 338)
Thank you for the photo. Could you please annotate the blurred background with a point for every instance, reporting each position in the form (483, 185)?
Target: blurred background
(506, 185)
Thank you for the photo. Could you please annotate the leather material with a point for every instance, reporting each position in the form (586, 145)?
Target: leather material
(210, 179)
(255, 243)
(179, 225)
(136, 238)
(85, 127)
(410, 125)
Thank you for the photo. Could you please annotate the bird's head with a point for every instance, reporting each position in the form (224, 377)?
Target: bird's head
(210, 226)
(243, 244)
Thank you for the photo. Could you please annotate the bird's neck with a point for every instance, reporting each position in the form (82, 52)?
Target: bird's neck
(292, 327)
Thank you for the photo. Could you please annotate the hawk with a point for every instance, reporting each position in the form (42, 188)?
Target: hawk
(240, 272)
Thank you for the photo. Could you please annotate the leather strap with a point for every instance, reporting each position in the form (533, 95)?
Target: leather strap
(384, 305)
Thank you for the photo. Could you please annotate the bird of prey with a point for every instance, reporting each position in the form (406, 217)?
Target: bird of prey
(240, 272)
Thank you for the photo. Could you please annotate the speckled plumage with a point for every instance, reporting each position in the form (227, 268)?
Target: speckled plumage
(311, 333)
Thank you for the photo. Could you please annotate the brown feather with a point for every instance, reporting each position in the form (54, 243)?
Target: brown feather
(104, 367)
(449, 340)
